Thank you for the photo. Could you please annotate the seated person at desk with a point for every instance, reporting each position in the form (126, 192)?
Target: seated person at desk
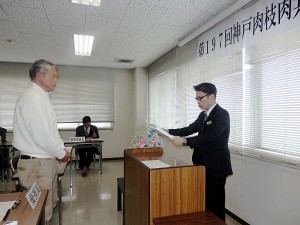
(86, 154)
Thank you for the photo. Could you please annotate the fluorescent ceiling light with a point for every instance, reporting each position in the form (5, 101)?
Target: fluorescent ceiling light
(87, 2)
(83, 44)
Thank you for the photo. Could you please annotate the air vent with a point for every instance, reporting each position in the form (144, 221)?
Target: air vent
(117, 60)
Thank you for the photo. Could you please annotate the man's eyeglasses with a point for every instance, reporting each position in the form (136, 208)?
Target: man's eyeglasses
(198, 98)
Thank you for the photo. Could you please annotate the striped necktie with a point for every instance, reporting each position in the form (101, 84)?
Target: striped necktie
(205, 117)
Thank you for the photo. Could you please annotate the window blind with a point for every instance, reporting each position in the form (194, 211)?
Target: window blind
(81, 91)
(259, 85)
(84, 92)
(162, 99)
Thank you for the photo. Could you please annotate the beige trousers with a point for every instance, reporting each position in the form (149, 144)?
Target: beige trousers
(44, 172)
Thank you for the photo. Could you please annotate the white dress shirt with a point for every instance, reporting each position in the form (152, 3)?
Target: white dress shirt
(35, 127)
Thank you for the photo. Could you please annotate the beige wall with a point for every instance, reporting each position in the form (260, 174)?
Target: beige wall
(140, 99)
(259, 192)
(116, 140)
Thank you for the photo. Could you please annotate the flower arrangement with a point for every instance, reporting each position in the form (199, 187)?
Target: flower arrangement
(147, 139)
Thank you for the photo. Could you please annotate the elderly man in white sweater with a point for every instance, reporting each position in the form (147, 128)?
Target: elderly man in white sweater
(36, 135)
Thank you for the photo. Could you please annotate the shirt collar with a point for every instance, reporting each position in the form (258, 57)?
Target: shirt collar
(39, 89)
(210, 109)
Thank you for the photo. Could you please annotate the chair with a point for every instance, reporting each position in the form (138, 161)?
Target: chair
(14, 167)
(77, 159)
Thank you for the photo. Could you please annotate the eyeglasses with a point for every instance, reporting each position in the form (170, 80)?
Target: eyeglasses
(200, 98)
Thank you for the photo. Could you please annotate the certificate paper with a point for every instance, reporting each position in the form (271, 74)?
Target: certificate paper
(161, 131)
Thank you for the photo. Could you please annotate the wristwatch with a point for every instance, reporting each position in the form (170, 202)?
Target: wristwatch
(184, 143)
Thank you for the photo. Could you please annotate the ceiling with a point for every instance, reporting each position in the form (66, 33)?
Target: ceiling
(139, 30)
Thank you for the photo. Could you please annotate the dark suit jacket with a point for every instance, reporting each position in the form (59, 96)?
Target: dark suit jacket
(80, 132)
(211, 144)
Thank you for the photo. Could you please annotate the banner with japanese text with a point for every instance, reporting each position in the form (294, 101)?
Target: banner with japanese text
(257, 23)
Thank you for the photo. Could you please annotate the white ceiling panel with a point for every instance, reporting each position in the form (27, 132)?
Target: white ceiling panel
(8, 30)
(24, 3)
(160, 34)
(173, 16)
(2, 15)
(65, 13)
(112, 9)
(41, 42)
(19, 48)
(148, 16)
(159, 3)
(141, 30)
(28, 20)
(96, 25)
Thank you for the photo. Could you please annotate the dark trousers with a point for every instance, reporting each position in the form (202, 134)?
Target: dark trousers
(215, 196)
(4, 159)
(85, 157)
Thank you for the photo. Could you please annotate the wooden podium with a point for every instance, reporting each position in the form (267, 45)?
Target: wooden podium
(158, 185)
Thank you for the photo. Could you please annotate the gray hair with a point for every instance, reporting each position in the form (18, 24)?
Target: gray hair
(41, 66)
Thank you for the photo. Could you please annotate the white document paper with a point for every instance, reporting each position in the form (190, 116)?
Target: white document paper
(153, 164)
(4, 206)
(11, 223)
(161, 131)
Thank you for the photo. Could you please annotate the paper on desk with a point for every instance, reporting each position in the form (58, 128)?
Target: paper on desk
(11, 223)
(153, 164)
(161, 131)
(4, 206)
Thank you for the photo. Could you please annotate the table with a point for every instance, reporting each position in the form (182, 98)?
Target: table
(86, 144)
(24, 213)
(60, 172)
(199, 218)
(4, 147)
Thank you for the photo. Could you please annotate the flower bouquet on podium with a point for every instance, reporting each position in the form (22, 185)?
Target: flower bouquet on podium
(147, 139)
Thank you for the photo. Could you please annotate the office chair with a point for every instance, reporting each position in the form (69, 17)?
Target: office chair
(77, 159)
(14, 167)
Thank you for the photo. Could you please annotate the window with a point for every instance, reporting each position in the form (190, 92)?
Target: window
(259, 85)
(84, 91)
(161, 99)
(81, 91)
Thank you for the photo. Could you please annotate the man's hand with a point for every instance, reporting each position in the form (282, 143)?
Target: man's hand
(66, 158)
(177, 140)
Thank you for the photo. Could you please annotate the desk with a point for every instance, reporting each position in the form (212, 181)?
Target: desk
(86, 144)
(4, 147)
(24, 213)
(60, 172)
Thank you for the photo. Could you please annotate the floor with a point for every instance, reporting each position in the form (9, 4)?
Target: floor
(92, 199)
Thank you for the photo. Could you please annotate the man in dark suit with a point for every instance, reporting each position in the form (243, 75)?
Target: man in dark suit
(86, 154)
(210, 145)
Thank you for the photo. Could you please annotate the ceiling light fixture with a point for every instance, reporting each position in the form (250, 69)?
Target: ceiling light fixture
(87, 2)
(83, 44)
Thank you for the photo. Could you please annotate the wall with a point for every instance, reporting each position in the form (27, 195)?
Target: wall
(259, 192)
(116, 140)
(140, 99)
